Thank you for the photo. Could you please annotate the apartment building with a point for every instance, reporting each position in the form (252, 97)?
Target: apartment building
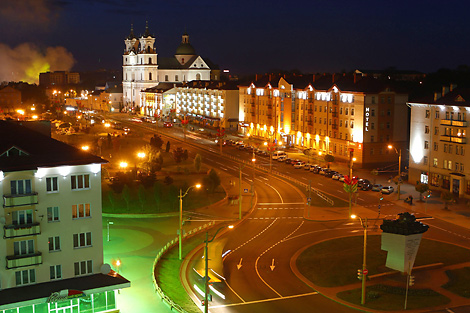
(329, 114)
(438, 141)
(52, 245)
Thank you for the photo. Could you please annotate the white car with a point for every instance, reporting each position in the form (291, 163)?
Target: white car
(307, 166)
(387, 190)
(337, 176)
(299, 164)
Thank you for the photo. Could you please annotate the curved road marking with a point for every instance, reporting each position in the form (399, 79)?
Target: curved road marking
(266, 300)
(282, 200)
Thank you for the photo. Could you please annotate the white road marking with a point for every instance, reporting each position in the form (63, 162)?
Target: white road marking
(265, 300)
(320, 184)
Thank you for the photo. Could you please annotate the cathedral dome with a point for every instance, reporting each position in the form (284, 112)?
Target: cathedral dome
(185, 47)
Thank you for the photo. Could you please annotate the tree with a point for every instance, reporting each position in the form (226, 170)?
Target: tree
(141, 194)
(185, 154)
(197, 162)
(178, 154)
(447, 196)
(157, 195)
(126, 195)
(421, 188)
(156, 141)
(212, 181)
(329, 158)
(167, 149)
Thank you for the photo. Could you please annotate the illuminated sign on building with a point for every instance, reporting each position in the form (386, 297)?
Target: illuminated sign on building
(367, 119)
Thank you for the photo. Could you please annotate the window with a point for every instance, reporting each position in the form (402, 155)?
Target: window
(461, 167)
(427, 114)
(80, 181)
(340, 123)
(82, 240)
(436, 146)
(372, 125)
(346, 123)
(166, 78)
(52, 184)
(436, 130)
(346, 111)
(372, 112)
(56, 272)
(426, 145)
(462, 151)
(426, 129)
(450, 148)
(341, 110)
(83, 267)
(22, 217)
(388, 125)
(371, 138)
(371, 151)
(389, 112)
(53, 214)
(436, 114)
(352, 111)
(81, 210)
(150, 76)
(25, 277)
(449, 165)
(20, 187)
(425, 160)
(176, 78)
(445, 147)
(23, 247)
(54, 243)
(435, 162)
(351, 124)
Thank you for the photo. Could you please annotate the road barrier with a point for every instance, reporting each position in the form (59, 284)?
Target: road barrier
(170, 244)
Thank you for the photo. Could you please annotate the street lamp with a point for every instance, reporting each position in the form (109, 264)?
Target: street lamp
(364, 267)
(206, 266)
(123, 165)
(109, 223)
(180, 235)
(399, 168)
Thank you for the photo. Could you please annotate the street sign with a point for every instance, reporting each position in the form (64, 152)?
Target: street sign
(365, 271)
(245, 190)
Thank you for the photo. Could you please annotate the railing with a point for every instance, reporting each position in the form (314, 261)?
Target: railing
(14, 261)
(163, 296)
(454, 123)
(12, 231)
(19, 200)
(455, 139)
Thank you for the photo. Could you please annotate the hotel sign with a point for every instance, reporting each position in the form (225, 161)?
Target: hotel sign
(367, 116)
(65, 294)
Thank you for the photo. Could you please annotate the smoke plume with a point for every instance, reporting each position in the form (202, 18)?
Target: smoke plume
(25, 61)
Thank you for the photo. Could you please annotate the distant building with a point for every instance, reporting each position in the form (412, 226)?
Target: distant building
(142, 68)
(392, 74)
(58, 78)
(438, 141)
(52, 246)
(330, 114)
(10, 100)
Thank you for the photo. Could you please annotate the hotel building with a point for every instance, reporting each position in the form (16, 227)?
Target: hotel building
(438, 141)
(333, 115)
(52, 243)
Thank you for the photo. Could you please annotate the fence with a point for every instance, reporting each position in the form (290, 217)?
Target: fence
(162, 295)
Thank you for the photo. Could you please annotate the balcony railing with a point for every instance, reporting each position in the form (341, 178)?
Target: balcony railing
(453, 139)
(454, 123)
(12, 231)
(14, 261)
(19, 200)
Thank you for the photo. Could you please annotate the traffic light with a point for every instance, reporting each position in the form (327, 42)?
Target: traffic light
(359, 274)
(412, 280)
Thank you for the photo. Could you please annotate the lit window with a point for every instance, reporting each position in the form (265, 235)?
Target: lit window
(81, 210)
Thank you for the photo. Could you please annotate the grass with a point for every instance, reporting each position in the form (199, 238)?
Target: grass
(379, 297)
(324, 266)
(167, 274)
(459, 281)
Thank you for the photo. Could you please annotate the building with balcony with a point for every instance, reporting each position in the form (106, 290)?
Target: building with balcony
(52, 244)
(438, 141)
(143, 69)
(344, 116)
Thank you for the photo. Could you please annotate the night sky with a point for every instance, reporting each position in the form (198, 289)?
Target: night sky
(243, 36)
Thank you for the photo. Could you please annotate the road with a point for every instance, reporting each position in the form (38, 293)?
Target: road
(256, 272)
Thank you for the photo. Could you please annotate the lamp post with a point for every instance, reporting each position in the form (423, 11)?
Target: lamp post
(364, 257)
(206, 266)
(180, 235)
(109, 223)
(399, 169)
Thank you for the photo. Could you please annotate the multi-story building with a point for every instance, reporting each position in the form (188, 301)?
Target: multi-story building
(142, 69)
(329, 115)
(52, 244)
(58, 78)
(438, 141)
(10, 100)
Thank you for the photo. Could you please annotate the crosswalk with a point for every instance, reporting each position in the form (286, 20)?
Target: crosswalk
(276, 217)
(269, 208)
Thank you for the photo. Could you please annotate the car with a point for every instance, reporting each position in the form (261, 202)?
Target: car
(288, 160)
(126, 130)
(376, 187)
(387, 190)
(264, 153)
(361, 181)
(315, 169)
(337, 176)
(366, 187)
(241, 146)
(323, 171)
(341, 179)
(282, 158)
(167, 124)
(299, 164)
(136, 120)
(307, 166)
(330, 174)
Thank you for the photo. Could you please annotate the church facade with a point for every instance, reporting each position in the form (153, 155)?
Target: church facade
(142, 68)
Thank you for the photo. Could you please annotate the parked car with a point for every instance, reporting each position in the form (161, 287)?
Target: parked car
(315, 169)
(377, 187)
(307, 166)
(241, 146)
(282, 158)
(387, 190)
(337, 176)
(330, 174)
(324, 170)
(299, 164)
(361, 181)
(295, 161)
(288, 161)
(366, 186)
(167, 124)
(341, 179)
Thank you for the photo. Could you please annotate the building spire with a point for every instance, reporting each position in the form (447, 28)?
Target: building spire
(147, 33)
(131, 35)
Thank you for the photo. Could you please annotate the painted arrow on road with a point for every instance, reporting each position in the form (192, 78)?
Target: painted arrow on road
(272, 265)
(239, 264)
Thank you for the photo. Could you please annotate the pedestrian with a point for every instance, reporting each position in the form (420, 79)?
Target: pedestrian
(411, 200)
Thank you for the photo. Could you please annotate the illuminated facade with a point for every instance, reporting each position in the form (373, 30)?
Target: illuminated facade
(52, 243)
(328, 115)
(143, 69)
(438, 142)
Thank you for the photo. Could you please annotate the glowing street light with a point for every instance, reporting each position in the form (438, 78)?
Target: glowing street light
(123, 165)
(85, 148)
(399, 168)
(364, 256)
(180, 235)
(141, 155)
